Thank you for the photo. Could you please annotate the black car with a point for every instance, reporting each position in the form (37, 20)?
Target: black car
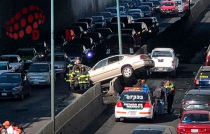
(151, 5)
(114, 27)
(14, 85)
(196, 99)
(96, 36)
(78, 31)
(107, 16)
(152, 24)
(90, 22)
(42, 49)
(146, 10)
(84, 25)
(105, 32)
(156, 5)
(86, 41)
(100, 22)
(154, 129)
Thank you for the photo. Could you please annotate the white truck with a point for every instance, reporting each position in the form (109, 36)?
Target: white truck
(165, 61)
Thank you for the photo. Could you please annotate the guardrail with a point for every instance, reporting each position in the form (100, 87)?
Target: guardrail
(78, 115)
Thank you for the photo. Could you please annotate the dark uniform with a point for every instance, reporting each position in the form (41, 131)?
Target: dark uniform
(71, 77)
(83, 79)
(170, 96)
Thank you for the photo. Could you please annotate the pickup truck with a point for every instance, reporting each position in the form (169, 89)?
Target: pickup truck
(165, 61)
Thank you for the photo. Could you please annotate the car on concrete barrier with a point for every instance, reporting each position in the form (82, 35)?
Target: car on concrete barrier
(14, 60)
(14, 85)
(154, 129)
(117, 65)
(195, 99)
(135, 103)
(194, 121)
(169, 8)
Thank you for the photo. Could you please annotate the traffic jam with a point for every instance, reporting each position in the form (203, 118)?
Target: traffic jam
(88, 53)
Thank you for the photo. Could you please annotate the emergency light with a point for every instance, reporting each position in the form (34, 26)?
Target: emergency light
(136, 88)
(89, 54)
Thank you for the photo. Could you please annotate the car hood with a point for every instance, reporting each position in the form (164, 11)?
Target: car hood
(8, 85)
(4, 71)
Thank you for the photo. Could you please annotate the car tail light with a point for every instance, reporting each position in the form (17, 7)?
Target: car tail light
(179, 130)
(184, 103)
(119, 104)
(196, 82)
(172, 63)
(207, 58)
(147, 105)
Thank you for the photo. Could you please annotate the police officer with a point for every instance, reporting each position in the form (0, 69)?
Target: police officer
(170, 93)
(83, 79)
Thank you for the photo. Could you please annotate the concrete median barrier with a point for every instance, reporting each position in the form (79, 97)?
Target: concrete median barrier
(78, 115)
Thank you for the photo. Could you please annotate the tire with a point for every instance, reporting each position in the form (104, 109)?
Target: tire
(127, 71)
(117, 119)
(21, 97)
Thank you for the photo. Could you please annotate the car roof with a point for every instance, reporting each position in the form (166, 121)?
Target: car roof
(163, 49)
(204, 68)
(196, 111)
(151, 127)
(199, 91)
(10, 55)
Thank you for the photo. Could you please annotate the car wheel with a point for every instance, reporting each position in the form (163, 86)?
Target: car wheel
(22, 97)
(127, 71)
(117, 119)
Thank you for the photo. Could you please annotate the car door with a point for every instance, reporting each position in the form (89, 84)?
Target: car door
(98, 72)
(113, 67)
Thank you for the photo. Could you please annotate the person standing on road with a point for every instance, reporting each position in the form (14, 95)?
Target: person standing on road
(83, 79)
(170, 93)
(71, 77)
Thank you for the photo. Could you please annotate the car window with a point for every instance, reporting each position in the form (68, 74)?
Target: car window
(167, 4)
(197, 97)
(195, 118)
(134, 96)
(204, 75)
(10, 78)
(147, 132)
(101, 64)
(113, 59)
(161, 54)
(3, 66)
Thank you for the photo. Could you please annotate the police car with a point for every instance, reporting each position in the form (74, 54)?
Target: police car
(135, 102)
(202, 79)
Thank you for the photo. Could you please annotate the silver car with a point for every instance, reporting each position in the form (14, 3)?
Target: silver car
(5, 66)
(15, 61)
(39, 73)
(61, 62)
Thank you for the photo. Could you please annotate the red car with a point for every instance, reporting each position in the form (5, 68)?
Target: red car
(186, 5)
(195, 121)
(168, 8)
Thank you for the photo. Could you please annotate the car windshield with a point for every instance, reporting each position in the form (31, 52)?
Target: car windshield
(178, 2)
(197, 97)
(134, 11)
(147, 132)
(144, 8)
(10, 59)
(97, 18)
(167, 4)
(25, 53)
(107, 15)
(10, 78)
(204, 75)
(3, 66)
(134, 96)
(56, 58)
(196, 118)
(112, 10)
(38, 68)
(73, 49)
(161, 54)
(148, 4)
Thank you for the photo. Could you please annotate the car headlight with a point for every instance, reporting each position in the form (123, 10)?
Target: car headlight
(16, 88)
(150, 31)
(42, 55)
(139, 33)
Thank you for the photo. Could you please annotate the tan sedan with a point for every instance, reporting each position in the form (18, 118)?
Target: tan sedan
(118, 65)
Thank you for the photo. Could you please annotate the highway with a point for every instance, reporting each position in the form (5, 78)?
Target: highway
(35, 111)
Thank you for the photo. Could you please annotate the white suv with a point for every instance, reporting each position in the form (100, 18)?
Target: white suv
(165, 61)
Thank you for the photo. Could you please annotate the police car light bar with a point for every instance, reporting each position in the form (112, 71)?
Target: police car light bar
(134, 88)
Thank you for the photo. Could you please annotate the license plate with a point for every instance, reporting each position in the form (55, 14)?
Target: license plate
(167, 11)
(36, 82)
(194, 130)
(160, 60)
(132, 112)
(160, 68)
(4, 94)
(197, 106)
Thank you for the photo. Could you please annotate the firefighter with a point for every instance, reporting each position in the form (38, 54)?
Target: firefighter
(83, 79)
(71, 77)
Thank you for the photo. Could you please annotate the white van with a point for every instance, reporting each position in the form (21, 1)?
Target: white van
(180, 5)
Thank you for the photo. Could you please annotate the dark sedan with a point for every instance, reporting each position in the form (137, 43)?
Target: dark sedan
(146, 10)
(14, 85)
(196, 99)
(154, 129)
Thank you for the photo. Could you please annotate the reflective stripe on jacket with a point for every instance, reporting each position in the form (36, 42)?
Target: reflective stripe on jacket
(83, 78)
(169, 86)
